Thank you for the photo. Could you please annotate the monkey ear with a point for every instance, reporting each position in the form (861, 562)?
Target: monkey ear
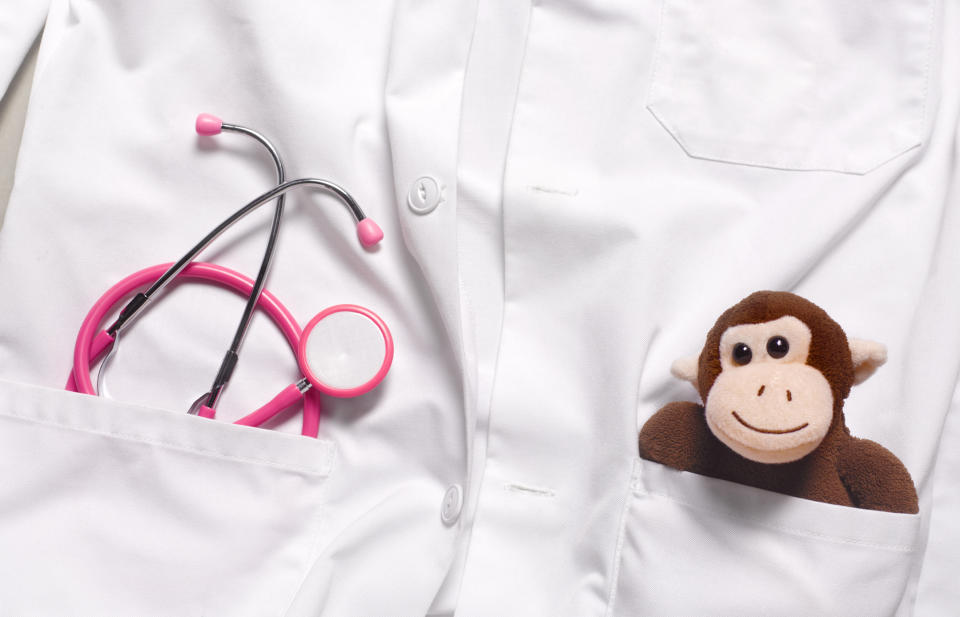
(868, 356)
(686, 369)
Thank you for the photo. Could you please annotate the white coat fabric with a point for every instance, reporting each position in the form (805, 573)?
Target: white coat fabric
(615, 174)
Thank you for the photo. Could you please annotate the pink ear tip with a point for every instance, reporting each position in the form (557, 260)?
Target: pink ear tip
(369, 232)
(208, 124)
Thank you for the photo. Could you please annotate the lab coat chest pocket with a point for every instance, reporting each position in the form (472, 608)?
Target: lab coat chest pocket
(819, 85)
(692, 545)
(114, 509)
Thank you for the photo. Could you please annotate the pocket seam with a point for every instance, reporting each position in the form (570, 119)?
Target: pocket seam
(322, 469)
(773, 164)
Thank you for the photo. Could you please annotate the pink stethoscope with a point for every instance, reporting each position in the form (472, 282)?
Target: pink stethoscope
(344, 351)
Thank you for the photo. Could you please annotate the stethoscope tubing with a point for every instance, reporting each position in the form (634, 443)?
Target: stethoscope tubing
(92, 342)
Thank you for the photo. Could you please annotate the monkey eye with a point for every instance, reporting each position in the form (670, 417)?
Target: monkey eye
(742, 354)
(777, 347)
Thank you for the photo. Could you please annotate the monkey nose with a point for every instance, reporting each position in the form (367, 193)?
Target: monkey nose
(760, 391)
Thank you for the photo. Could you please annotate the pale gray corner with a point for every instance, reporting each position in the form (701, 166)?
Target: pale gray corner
(13, 110)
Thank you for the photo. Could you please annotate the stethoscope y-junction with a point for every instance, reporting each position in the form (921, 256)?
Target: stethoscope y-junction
(344, 351)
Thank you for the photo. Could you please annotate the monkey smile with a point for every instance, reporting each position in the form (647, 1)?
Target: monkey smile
(769, 430)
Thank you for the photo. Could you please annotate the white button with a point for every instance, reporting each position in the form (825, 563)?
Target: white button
(425, 194)
(452, 504)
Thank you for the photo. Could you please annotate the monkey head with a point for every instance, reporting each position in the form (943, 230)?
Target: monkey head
(773, 374)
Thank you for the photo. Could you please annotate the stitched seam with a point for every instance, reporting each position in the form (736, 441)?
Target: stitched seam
(618, 552)
(925, 110)
(321, 470)
(789, 530)
(658, 53)
(778, 163)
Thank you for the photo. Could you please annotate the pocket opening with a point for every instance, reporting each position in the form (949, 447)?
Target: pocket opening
(691, 545)
(161, 428)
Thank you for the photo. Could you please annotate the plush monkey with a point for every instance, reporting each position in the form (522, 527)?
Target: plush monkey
(773, 375)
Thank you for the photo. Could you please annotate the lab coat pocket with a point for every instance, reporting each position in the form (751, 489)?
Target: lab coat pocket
(114, 509)
(819, 85)
(693, 545)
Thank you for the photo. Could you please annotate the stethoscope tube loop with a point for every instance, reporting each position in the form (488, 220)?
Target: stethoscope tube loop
(137, 304)
(90, 344)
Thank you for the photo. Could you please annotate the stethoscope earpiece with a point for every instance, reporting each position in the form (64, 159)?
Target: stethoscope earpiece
(208, 125)
(369, 233)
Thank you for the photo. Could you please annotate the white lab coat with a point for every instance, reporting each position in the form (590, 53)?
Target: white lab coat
(615, 174)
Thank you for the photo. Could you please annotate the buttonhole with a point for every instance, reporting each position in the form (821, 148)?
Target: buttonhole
(529, 490)
(554, 191)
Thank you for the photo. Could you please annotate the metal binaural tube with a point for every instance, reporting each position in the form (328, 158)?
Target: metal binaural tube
(229, 361)
(137, 304)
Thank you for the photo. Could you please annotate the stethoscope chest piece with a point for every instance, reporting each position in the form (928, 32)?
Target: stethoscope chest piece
(345, 350)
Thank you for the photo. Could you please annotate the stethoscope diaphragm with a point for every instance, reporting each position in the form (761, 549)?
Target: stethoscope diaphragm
(345, 350)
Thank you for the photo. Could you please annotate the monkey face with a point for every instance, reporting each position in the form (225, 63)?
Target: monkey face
(767, 404)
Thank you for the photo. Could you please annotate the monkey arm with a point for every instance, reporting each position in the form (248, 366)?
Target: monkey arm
(677, 436)
(875, 478)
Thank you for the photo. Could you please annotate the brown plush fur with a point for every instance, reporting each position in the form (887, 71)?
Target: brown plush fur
(842, 470)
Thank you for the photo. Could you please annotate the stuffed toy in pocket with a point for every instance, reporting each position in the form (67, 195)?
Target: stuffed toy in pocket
(773, 375)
